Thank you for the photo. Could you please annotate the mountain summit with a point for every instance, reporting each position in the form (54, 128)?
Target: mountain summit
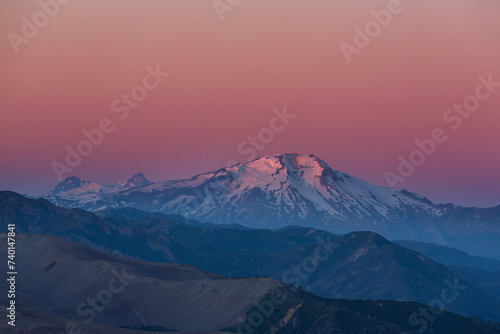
(68, 184)
(75, 190)
(138, 180)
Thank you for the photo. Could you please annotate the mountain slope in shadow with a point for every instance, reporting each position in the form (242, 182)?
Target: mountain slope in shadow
(58, 276)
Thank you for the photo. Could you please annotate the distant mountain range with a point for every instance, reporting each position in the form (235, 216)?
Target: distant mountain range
(94, 292)
(292, 189)
(73, 189)
(362, 265)
(451, 256)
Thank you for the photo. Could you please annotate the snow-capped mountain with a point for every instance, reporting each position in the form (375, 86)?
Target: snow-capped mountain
(74, 192)
(138, 180)
(293, 189)
(283, 190)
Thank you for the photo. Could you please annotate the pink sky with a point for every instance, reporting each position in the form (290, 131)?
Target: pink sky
(227, 76)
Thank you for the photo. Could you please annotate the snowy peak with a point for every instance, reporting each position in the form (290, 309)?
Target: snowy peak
(276, 169)
(76, 193)
(75, 186)
(291, 161)
(283, 174)
(308, 167)
(138, 180)
(302, 162)
(68, 184)
(276, 191)
(271, 192)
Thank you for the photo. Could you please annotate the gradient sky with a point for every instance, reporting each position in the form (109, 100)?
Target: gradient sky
(227, 76)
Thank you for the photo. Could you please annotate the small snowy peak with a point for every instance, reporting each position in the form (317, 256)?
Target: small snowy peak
(68, 184)
(138, 180)
(74, 188)
(75, 185)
